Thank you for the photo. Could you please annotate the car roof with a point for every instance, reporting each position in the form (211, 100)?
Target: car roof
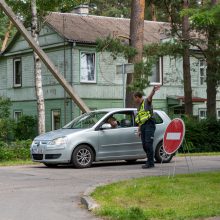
(119, 109)
(116, 109)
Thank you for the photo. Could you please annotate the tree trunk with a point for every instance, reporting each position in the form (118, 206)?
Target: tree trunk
(38, 76)
(7, 35)
(211, 70)
(186, 63)
(136, 41)
(153, 11)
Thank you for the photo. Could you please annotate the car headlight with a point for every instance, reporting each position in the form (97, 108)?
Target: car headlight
(57, 141)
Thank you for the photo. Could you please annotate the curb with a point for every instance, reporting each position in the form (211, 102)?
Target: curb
(87, 200)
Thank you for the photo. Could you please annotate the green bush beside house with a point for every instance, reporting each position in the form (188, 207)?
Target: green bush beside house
(18, 150)
(203, 135)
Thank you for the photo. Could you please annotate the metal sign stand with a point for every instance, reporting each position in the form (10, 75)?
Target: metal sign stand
(172, 167)
(174, 138)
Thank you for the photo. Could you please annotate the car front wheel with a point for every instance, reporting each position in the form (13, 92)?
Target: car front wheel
(161, 156)
(82, 156)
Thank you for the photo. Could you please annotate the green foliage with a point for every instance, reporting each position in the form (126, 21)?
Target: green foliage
(6, 129)
(141, 72)
(6, 124)
(116, 47)
(202, 136)
(172, 48)
(26, 127)
(19, 150)
(203, 17)
(5, 105)
(113, 8)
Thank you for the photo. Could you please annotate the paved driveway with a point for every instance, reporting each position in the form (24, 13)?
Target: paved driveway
(37, 192)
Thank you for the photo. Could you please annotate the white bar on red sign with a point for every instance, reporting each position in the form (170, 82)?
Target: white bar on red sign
(173, 136)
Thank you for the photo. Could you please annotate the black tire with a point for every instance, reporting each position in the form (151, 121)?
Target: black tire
(160, 154)
(131, 161)
(50, 165)
(82, 156)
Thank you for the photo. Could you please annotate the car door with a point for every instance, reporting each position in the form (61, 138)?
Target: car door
(121, 142)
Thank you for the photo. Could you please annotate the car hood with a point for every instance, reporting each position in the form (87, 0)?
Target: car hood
(57, 133)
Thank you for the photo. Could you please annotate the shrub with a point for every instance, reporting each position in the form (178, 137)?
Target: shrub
(26, 128)
(6, 129)
(5, 104)
(202, 136)
(18, 150)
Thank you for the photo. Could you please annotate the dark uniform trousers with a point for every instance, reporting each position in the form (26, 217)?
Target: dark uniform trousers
(147, 138)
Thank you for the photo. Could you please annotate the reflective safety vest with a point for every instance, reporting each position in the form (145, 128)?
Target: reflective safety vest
(143, 115)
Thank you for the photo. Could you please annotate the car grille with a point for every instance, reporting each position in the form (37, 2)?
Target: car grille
(40, 142)
(52, 156)
(37, 156)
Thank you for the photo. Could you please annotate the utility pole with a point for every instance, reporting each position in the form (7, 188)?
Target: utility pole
(43, 56)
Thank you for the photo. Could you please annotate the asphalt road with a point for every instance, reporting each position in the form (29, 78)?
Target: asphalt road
(41, 193)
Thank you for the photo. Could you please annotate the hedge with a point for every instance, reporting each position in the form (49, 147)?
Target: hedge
(202, 136)
(18, 150)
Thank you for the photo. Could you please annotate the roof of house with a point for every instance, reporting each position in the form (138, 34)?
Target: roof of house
(87, 28)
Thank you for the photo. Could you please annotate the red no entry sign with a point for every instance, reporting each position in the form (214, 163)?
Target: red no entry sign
(173, 136)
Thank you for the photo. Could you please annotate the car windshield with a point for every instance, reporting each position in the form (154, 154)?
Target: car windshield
(86, 120)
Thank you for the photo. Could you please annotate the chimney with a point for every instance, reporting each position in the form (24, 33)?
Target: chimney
(81, 10)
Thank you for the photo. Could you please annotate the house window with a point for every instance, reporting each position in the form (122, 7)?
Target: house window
(202, 113)
(87, 67)
(218, 114)
(17, 115)
(156, 77)
(202, 72)
(17, 72)
(56, 119)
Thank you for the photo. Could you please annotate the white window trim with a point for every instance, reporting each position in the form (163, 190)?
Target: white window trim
(88, 81)
(204, 110)
(204, 67)
(218, 117)
(52, 118)
(14, 72)
(160, 73)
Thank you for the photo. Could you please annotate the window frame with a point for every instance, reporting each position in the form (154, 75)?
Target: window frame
(218, 114)
(160, 63)
(14, 114)
(95, 75)
(204, 110)
(131, 114)
(204, 67)
(52, 119)
(16, 85)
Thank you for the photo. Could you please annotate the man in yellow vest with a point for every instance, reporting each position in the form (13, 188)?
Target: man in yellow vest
(146, 124)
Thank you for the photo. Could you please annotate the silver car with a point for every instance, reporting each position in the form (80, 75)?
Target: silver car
(89, 138)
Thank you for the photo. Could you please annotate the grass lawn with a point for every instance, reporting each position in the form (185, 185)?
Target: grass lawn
(199, 154)
(182, 197)
(16, 162)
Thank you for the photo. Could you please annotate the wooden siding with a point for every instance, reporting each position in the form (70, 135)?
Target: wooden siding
(47, 38)
(3, 77)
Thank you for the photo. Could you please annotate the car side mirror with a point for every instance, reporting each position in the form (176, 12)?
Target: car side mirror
(105, 126)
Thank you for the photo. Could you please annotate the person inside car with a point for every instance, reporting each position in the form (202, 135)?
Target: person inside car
(113, 122)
